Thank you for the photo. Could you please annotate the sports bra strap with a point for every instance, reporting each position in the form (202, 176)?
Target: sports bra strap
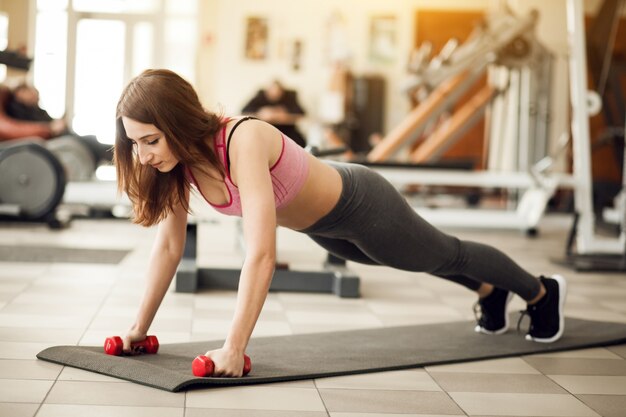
(243, 119)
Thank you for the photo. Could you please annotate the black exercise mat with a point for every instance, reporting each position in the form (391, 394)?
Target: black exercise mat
(60, 254)
(285, 358)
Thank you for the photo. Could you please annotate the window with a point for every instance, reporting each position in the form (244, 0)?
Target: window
(99, 47)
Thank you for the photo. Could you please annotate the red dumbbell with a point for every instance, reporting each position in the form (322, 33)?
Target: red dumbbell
(114, 345)
(204, 366)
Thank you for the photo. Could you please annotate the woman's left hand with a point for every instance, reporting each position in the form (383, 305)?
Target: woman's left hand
(228, 362)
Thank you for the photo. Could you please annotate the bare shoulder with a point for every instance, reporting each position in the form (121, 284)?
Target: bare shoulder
(256, 136)
(249, 128)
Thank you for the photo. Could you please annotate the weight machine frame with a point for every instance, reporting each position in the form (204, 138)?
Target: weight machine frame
(593, 252)
(448, 78)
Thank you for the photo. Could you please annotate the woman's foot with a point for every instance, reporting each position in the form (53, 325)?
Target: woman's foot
(493, 318)
(546, 315)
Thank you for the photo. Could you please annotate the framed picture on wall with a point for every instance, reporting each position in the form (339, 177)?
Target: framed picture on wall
(383, 39)
(256, 47)
(296, 55)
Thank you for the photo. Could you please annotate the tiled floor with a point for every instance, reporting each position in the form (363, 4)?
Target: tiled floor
(50, 304)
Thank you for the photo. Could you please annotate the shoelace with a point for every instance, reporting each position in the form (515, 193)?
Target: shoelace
(523, 313)
(477, 310)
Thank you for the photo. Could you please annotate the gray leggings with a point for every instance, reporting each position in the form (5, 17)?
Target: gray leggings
(373, 224)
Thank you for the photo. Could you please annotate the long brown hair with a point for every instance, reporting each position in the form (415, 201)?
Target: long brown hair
(164, 99)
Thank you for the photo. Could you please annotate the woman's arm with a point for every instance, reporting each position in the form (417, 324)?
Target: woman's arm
(164, 259)
(251, 152)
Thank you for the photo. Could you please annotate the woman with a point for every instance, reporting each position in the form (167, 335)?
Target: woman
(167, 143)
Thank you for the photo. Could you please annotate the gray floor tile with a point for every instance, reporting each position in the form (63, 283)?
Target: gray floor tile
(577, 366)
(18, 410)
(257, 398)
(414, 380)
(501, 366)
(304, 383)
(22, 270)
(392, 415)
(28, 369)
(12, 286)
(519, 383)
(45, 297)
(316, 318)
(65, 310)
(358, 306)
(74, 374)
(378, 401)
(64, 410)
(203, 412)
(57, 336)
(49, 321)
(23, 391)
(106, 393)
(21, 350)
(547, 405)
(618, 350)
(592, 384)
(606, 405)
(166, 325)
(594, 353)
(228, 314)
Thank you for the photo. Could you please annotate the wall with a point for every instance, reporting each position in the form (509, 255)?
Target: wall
(228, 81)
(231, 79)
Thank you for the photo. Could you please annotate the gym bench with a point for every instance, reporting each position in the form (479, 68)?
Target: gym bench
(333, 278)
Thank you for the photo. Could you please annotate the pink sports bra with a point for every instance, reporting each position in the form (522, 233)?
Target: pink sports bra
(288, 173)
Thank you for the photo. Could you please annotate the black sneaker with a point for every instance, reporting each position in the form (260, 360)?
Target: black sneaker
(546, 317)
(493, 317)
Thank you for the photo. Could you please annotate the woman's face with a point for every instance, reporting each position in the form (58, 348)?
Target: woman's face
(150, 145)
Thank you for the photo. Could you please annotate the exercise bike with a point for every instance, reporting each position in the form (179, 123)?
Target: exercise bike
(32, 183)
(35, 174)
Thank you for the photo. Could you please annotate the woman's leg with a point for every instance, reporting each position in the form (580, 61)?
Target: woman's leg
(343, 249)
(373, 217)
(379, 221)
(350, 252)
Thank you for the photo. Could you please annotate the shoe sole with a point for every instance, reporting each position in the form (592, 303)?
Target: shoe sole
(480, 329)
(562, 295)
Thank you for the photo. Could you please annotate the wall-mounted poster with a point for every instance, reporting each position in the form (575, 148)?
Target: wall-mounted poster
(383, 39)
(256, 38)
(337, 48)
(296, 55)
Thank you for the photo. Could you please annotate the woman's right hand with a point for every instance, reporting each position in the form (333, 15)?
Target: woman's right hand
(133, 335)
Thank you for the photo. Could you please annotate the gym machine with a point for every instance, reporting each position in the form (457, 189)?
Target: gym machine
(333, 278)
(32, 182)
(515, 102)
(592, 251)
(52, 181)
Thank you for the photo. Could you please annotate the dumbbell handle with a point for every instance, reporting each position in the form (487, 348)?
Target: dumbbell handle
(204, 366)
(114, 345)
